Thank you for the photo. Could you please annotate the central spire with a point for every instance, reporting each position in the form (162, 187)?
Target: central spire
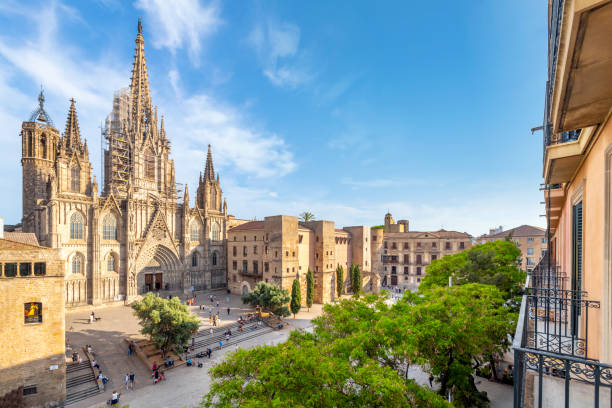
(209, 171)
(141, 112)
(72, 134)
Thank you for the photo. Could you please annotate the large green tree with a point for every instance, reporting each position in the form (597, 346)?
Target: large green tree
(309, 288)
(450, 329)
(296, 298)
(339, 281)
(304, 372)
(270, 297)
(493, 263)
(167, 322)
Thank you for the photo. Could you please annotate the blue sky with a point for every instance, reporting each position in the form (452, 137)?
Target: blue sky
(340, 108)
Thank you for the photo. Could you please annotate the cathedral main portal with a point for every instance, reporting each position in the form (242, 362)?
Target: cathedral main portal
(162, 272)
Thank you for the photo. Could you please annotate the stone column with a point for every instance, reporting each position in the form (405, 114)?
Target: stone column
(95, 256)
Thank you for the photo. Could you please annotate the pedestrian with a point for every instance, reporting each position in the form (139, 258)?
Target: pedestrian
(210, 320)
(132, 380)
(211, 299)
(200, 307)
(217, 304)
(220, 344)
(211, 330)
(115, 398)
(127, 380)
(209, 352)
(227, 299)
(192, 342)
(431, 378)
(228, 311)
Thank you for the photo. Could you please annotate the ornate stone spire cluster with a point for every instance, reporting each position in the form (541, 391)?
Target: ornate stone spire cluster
(72, 135)
(141, 115)
(209, 171)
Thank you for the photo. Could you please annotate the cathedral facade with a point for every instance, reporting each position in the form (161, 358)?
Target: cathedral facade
(139, 233)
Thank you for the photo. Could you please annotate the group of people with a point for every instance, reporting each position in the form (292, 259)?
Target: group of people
(131, 348)
(157, 374)
(130, 380)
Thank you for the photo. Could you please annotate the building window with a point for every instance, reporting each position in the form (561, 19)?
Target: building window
(194, 232)
(245, 266)
(300, 237)
(76, 226)
(194, 259)
(374, 238)
(530, 262)
(385, 245)
(276, 254)
(393, 270)
(544, 240)
(255, 249)
(109, 227)
(32, 312)
(234, 251)
(149, 164)
(75, 179)
(418, 244)
(234, 277)
(266, 267)
(235, 266)
(517, 241)
(529, 251)
(25, 269)
(394, 245)
(244, 251)
(418, 270)
(110, 263)
(462, 245)
(406, 258)
(419, 259)
(40, 268)
(255, 267)
(530, 240)
(406, 270)
(10, 270)
(434, 245)
(448, 246)
(43, 146)
(266, 250)
(255, 238)
(77, 264)
(29, 390)
(214, 259)
(287, 253)
(214, 231)
(406, 245)
(434, 257)
(293, 254)
(543, 252)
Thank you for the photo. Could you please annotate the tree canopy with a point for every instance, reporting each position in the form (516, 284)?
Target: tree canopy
(167, 322)
(296, 297)
(339, 281)
(270, 297)
(307, 216)
(309, 288)
(355, 273)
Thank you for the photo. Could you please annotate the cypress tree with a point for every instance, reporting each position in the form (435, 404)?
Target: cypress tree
(339, 280)
(309, 288)
(296, 297)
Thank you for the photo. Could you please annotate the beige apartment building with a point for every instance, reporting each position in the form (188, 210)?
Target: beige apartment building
(529, 239)
(280, 249)
(32, 321)
(400, 256)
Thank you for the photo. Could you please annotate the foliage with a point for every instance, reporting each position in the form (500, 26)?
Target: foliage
(382, 227)
(167, 322)
(309, 288)
(296, 297)
(492, 263)
(339, 280)
(305, 372)
(307, 216)
(270, 297)
(450, 328)
(355, 272)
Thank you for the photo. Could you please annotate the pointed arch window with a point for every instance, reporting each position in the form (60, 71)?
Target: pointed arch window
(214, 231)
(149, 164)
(194, 259)
(30, 143)
(194, 232)
(214, 258)
(43, 146)
(109, 227)
(110, 263)
(76, 226)
(76, 265)
(75, 179)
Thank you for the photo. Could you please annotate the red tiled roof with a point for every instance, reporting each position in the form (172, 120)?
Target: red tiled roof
(22, 237)
(251, 225)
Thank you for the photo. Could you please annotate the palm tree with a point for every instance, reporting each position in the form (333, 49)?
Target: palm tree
(307, 216)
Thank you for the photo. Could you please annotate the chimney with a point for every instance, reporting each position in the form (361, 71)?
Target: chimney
(1, 227)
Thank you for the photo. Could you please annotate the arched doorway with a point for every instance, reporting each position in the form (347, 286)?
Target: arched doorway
(162, 272)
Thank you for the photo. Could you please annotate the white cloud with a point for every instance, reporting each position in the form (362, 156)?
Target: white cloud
(181, 23)
(282, 61)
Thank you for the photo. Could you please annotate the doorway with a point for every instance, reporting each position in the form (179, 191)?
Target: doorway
(393, 280)
(153, 281)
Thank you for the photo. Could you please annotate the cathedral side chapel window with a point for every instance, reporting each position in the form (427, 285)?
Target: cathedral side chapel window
(76, 264)
(109, 227)
(194, 259)
(214, 231)
(76, 226)
(75, 179)
(149, 164)
(194, 232)
(110, 263)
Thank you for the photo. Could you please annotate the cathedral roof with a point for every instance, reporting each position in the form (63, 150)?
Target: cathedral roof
(22, 237)
(72, 134)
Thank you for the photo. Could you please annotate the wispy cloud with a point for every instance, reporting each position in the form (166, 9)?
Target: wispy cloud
(181, 23)
(278, 48)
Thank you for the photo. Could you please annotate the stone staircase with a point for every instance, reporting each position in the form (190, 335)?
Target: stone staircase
(80, 382)
(204, 341)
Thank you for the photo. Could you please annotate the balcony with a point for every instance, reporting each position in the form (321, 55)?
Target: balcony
(251, 274)
(554, 198)
(546, 344)
(564, 152)
(580, 62)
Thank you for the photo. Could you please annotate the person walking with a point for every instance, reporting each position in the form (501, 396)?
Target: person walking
(228, 311)
(127, 381)
(431, 378)
(132, 380)
(220, 344)
(211, 331)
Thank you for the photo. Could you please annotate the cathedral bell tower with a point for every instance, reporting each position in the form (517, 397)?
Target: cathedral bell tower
(209, 194)
(39, 141)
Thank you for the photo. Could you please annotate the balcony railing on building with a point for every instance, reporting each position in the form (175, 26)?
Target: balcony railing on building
(551, 345)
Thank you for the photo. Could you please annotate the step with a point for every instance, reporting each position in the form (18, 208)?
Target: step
(81, 379)
(81, 395)
(70, 368)
(235, 339)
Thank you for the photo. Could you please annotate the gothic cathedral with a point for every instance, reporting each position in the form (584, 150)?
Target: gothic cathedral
(135, 236)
